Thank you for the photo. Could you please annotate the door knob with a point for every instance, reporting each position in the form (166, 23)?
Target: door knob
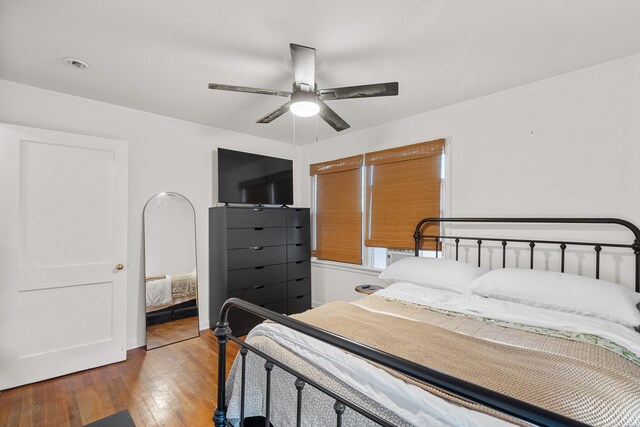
(119, 267)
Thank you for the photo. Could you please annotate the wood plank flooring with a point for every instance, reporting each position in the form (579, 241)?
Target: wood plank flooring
(171, 332)
(173, 385)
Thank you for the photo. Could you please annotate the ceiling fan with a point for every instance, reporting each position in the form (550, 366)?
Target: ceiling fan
(305, 98)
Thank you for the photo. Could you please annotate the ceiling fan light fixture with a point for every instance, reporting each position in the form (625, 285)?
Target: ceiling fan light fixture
(304, 109)
(306, 99)
(303, 104)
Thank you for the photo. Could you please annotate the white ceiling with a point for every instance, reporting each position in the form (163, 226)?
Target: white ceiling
(159, 56)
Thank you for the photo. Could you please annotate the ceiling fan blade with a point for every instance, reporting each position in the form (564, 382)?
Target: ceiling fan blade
(246, 89)
(304, 67)
(362, 91)
(275, 114)
(332, 118)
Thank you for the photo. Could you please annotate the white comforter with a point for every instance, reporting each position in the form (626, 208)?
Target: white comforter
(158, 291)
(412, 403)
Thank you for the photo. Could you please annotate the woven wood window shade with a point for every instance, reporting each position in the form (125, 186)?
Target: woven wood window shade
(338, 209)
(403, 186)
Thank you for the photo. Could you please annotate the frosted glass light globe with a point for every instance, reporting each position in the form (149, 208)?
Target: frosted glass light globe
(304, 108)
(303, 104)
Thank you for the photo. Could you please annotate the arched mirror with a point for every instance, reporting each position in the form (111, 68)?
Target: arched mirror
(171, 280)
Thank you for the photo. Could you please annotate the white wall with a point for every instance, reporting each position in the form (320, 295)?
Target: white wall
(566, 146)
(165, 154)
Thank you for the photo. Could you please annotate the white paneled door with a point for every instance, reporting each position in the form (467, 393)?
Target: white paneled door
(63, 249)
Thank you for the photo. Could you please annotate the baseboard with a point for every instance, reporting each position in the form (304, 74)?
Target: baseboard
(135, 343)
(204, 324)
(315, 304)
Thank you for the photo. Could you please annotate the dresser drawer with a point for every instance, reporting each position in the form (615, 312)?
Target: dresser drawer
(298, 269)
(262, 255)
(298, 252)
(258, 236)
(255, 217)
(298, 287)
(261, 294)
(261, 275)
(297, 234)
(279, 307)
(265, 294)
(299, 304)
(241, 322)
(297, 217)
(234, 294)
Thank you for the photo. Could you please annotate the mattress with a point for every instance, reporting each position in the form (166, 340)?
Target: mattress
(166, 291)
(403, 402)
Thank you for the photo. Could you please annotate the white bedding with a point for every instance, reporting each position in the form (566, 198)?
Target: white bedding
(514, 312)
(412, 403)
(158, 291)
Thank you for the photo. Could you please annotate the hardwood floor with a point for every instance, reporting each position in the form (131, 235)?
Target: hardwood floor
(171, 332)
(171, 386)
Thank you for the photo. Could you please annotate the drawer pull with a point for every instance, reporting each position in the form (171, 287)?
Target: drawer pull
(300, 279)
(259, 268)
(298, 227)
(299, 262)
(257, 209)
(258, 287)
(300, 297)
(258, 228)
(256, 248)
(299, 244)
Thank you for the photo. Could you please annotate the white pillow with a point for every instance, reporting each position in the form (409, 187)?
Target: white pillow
(434, 273)
(561, 292)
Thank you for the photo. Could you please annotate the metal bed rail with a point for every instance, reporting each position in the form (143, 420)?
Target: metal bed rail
(508, 405)
(563, 244)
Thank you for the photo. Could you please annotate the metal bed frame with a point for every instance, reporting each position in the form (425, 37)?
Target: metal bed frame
(489, 398)
(563, 244)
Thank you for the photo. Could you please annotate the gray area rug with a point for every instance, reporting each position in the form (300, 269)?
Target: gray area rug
(119, 419)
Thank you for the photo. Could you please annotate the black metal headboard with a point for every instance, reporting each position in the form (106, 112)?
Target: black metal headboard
(635, 246)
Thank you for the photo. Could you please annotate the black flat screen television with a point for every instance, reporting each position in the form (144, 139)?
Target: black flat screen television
(254, 179)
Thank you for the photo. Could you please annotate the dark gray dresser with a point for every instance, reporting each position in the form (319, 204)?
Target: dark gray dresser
(261, 255)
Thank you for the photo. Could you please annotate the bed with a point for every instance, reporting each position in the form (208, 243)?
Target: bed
(170, 297)
(449, 344)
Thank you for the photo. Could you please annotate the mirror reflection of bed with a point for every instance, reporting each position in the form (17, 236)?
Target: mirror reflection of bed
(171, 282)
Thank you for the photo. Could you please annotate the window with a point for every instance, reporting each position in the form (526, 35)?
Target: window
(374, 201)
(337, 210)
(403, 186)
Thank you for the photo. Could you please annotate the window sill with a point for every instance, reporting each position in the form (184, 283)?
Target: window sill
(333, 265)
